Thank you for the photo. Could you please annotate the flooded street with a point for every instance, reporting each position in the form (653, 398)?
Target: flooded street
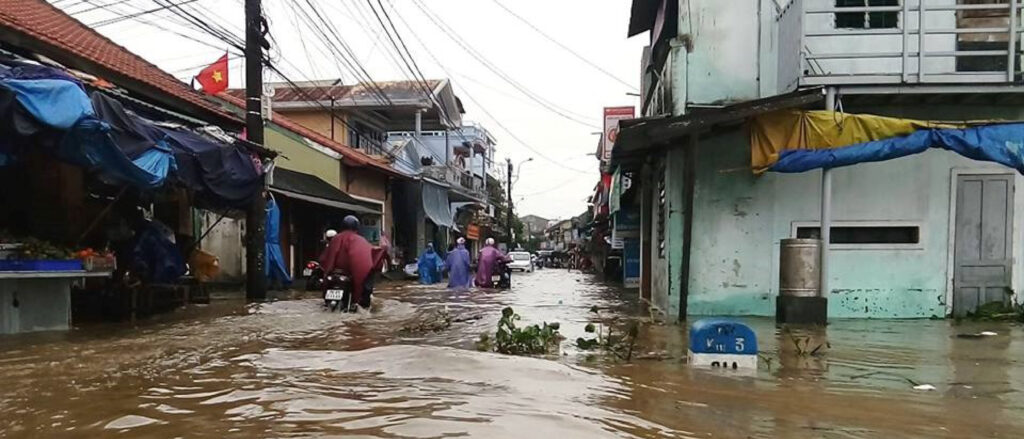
(288, 369)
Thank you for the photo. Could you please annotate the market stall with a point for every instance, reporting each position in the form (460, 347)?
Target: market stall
(83, 164)
(36, 279)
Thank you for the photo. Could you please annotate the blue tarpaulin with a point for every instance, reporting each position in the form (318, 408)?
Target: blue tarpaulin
(274, 267)
(220, 174)
(45, 109)
(1001, 143)
(89, 144)
(57, 103)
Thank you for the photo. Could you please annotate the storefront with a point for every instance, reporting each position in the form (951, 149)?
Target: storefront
(311, 206)
(99, 185)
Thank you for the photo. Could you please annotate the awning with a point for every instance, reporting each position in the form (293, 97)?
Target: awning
(313, 189)
(436, 205)
(638, 137)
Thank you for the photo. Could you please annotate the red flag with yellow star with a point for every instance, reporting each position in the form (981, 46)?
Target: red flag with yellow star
(214, 78)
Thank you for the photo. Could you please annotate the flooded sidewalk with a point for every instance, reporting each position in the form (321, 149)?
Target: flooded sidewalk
(289, 369)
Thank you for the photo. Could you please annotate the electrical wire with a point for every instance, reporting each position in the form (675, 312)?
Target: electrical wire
(563, 46)
(218, 31)
(485, 110)
(475, 54)
(415, 69)
(91, 8)
(341, 49)
(114, 20)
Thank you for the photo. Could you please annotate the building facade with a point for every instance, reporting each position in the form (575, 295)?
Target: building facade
(908, 235)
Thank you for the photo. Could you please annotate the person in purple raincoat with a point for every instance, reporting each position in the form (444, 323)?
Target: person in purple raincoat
(457, 264)
(489, 257)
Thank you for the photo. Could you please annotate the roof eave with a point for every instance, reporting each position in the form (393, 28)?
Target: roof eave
(638, 136)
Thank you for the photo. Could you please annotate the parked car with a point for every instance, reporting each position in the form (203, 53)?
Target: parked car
(522, 261)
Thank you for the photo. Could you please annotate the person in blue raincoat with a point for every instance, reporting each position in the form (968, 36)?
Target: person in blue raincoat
(457, 265)
(430, 266)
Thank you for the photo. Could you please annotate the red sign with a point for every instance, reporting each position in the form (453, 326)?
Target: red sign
(473, 232)
(612, 116)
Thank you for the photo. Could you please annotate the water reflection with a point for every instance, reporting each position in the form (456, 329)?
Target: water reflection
(290, 369)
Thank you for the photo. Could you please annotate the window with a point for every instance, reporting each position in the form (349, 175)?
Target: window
(977, 40)
(866, 20)
(362, 136)
(865, 235)
(984, 13)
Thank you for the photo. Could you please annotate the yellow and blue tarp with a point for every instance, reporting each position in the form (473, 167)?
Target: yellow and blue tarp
(799, 141)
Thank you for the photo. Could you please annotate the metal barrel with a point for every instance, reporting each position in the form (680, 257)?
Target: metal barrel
(800, 268)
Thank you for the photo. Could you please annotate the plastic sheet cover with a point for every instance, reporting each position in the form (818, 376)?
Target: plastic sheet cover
(1000, 143)
(786, 130)
(436, 205)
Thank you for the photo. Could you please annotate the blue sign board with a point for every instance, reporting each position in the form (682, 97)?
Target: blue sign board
(627, 219)
(721, 336)
(631, 263)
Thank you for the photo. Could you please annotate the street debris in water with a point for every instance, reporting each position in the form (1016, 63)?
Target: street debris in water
(605, 338)
(436, 321)
(806, 344)
(998, 312)
(981, 334)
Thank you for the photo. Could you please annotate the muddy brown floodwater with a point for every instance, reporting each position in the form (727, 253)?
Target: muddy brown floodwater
(288, 369)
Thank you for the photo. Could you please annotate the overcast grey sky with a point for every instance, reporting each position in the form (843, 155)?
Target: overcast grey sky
(559, 128)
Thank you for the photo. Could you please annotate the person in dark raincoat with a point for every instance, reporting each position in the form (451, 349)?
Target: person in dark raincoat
(352, 254)
(457, 265)
(430, 266)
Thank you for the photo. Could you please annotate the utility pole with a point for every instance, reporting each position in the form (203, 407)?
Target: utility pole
(508, 215)
(256, 217)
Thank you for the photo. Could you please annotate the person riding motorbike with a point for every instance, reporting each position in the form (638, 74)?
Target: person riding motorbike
(352, 254)
(489, 258)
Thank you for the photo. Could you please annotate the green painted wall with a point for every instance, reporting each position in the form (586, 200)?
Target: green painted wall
(301, 157)
(740, 218)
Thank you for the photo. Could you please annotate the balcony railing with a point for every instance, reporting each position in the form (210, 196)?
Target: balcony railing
(899, 42)
(457, 178)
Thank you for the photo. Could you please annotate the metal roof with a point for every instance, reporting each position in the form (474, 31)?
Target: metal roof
(313, 189)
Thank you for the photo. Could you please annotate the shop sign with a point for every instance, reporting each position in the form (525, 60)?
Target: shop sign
(612, 116)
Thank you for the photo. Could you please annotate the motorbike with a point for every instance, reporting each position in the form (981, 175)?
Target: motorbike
(337, 292)
(502, 275)
(314, 275)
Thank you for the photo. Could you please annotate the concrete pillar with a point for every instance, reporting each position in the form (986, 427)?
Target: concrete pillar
(419, 124)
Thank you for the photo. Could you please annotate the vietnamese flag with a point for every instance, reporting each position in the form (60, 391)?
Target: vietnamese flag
(214, 78)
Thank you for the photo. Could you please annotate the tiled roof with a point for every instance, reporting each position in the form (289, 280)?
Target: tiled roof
(42, 28)
(352, 156)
